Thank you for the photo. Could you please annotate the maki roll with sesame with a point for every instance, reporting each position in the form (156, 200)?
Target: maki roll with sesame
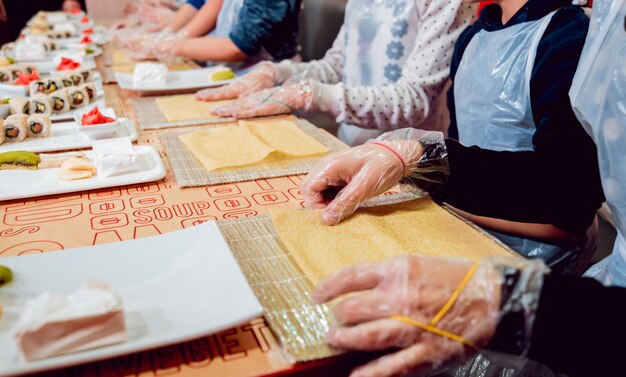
(53, 84)
(37, 87)
(19, 105)
(67, 81)
(59, 101)
(40, 104)
(16, 70)
(87, 75)
(78, 97)
(29, 68)
(90, 88)
(15, 127)
(39, 125)
(77, 78)
(8, 47)
(5, 75)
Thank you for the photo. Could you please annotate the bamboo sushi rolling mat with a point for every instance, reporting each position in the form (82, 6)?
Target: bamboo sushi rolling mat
(150, 116)
(189, 172)
(283, 289)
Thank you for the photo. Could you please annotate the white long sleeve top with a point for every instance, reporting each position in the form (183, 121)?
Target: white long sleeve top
(389, 66)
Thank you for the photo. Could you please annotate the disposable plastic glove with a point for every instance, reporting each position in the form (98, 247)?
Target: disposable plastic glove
(275, 101)
(262, 76)
(163, 46)
(397, 293)
(368, 170)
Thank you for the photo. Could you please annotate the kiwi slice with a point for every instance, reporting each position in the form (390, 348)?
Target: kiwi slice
(19, 159)
(6, 275)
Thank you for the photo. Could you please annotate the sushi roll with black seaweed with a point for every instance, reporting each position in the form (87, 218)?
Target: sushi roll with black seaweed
(91, 90)
(14, 127)
(39, 125)
(53, 84)
(78, 97)
(59, 101)
(40, 104)
(5, 75)
(37, 87)
(19, 105)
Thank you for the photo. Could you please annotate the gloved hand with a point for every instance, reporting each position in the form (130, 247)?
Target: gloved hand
(366, 171)
(163, 46)
(262, 76)
(435, 310)
(280, 100)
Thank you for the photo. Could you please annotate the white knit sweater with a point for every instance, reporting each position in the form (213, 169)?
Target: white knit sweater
(388, 67)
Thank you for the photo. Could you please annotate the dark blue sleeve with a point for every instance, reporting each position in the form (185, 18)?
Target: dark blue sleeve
(272, 24)
(196, 3)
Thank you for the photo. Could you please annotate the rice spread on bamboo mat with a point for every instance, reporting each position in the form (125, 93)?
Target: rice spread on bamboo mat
(249, 143)
(375, 233)
(186, 107)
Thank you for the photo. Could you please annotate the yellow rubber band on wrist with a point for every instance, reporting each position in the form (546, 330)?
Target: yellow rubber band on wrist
(434, 330)
(455, 296)
(431, 327)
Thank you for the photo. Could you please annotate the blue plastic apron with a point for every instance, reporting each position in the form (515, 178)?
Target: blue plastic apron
(598, 96)
(493, 111)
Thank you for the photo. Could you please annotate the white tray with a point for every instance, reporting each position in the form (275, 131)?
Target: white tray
(65, 136)
(177, 80)
(50, 55)
(19, 184)
(70, 114)
(175, 287)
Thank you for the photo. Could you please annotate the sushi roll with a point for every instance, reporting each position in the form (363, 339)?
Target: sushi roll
(37, 87)
(14, 127)
(8, 47)
(40, 104)
(59, 101)
(87, 75)
(67, 81)
(39, 125)
(77, 78)
(90, 88)
(53, 46)
(30, 69)
(19, 105)
(2, 135)
(78, 97)
(5, 75)
(16, 70)
(53, 84)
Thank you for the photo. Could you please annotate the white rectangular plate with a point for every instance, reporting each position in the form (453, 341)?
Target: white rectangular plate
(19, 184)
(65, 136)
(70, 114)
(49, 56)
(45, 68)
(176, 80)
(175, 287)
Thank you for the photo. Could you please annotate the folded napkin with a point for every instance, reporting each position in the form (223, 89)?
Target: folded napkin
(114, 157)
(53, 324)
